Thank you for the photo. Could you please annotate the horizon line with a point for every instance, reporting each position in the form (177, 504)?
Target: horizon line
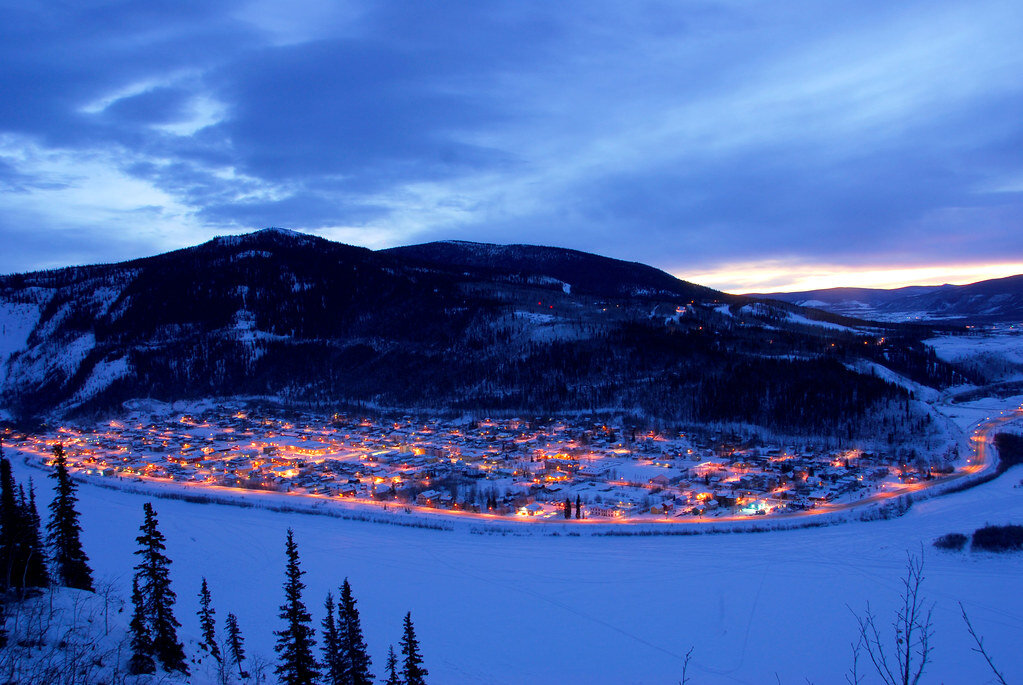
(763, 277)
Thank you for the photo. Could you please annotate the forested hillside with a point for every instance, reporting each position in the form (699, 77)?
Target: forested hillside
(445, 326)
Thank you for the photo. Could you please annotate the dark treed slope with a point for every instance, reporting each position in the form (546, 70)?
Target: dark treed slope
(451, 326)
(586, 273)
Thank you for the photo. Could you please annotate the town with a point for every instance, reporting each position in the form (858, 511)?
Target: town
(533, 469)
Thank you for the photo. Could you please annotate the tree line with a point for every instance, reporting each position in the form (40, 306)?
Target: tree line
(30, 561)
(358, 331)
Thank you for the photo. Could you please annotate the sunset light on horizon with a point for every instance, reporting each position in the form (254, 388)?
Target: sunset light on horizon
(777, 277)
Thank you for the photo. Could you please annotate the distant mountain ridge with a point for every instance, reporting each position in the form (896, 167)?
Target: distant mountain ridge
(580, 270)
(460, 327)
(994, 300)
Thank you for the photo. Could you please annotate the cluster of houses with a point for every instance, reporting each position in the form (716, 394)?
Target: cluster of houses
(510, 467)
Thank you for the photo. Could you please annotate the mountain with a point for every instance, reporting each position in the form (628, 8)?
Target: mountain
(457, 327)
(581, 271)
(995, 300)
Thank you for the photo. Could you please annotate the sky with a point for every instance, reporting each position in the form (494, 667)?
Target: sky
(781, 145)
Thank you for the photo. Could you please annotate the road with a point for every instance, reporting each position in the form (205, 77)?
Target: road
(981, 436)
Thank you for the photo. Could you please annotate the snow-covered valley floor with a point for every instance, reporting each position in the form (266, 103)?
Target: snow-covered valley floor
(756, 607)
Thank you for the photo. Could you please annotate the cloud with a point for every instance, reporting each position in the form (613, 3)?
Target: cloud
(689, 136)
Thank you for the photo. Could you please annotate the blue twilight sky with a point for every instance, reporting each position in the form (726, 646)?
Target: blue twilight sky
(745, 145)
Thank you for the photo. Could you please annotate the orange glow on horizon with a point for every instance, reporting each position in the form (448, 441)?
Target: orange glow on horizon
(778, 276)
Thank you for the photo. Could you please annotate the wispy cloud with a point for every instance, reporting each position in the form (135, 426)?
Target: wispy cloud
(692, 136)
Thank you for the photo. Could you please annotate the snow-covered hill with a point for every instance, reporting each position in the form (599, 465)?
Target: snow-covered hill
(995, 300)
(61, 636)
(444, 326)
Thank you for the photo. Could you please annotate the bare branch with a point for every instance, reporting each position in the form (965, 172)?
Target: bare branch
(853, 677)
(913, 630)
(980, 645)
(917, 626)
(870, 637)
(685, 666)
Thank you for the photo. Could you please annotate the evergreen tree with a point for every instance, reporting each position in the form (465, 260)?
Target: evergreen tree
(412, 670)
(22, 558)
(207, 623)
(358, 653)
(295, 642)
(8, 521)
(335, 663)
(3, 622)
(32, 509)
(141, 641)
(392, 667)
(70, 565)
(235, 643)
(578, 507)
(153, 576)
(11, 529)
(3, 568)
(35, 574)
(568, 508)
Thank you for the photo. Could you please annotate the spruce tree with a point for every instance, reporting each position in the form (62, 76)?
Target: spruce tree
(33, 510)
(207, 623)
(70, 565)
(35, 574)
(568, 508)
(141, 641)
(22, 557)
(335, 663)
(392, 668)
(578, 507)
(358, 652)
(153, 575)
(12, 551)
(235, 643)
(3, 574)
(412, 670)
(296, 641)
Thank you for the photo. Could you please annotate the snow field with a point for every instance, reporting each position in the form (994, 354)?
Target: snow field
(1005, 343)
(540, 609)
(17, 319)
